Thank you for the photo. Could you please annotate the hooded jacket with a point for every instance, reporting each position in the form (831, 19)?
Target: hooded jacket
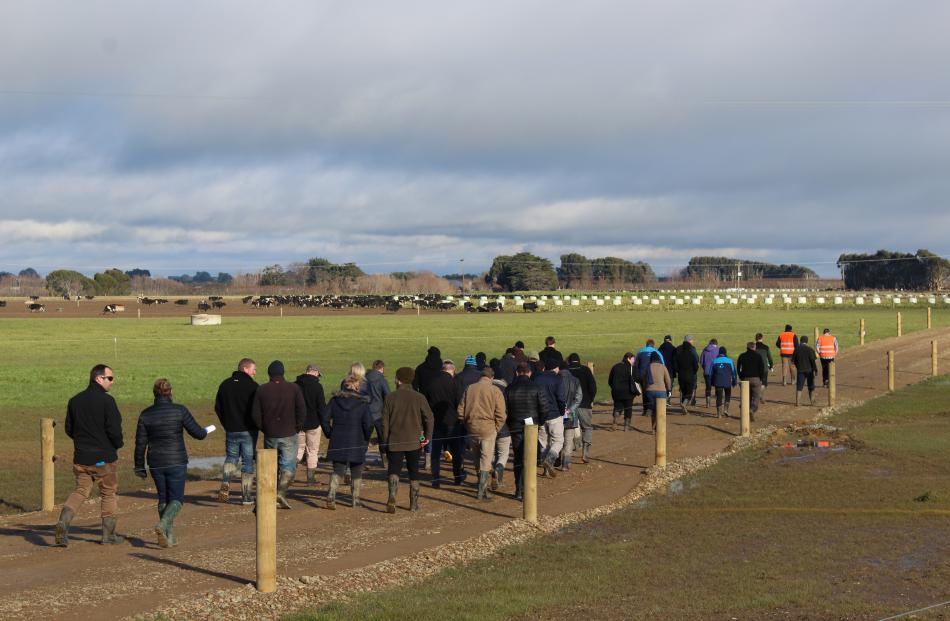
(443, 395)
(158, 436)
(668, 353)
(723, 373)
(314, 399)
(687, 362)
(710, 353)
(588, 384)
(348, 424)
(377, 388)
(427, 369)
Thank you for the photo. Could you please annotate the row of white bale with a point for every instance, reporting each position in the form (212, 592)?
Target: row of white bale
(748, 299)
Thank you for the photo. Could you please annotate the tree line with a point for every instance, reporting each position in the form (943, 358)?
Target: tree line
(886, 269)
(724, 269)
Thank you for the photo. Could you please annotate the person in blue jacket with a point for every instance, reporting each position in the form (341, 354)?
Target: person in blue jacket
(642, 367)
(723, 377)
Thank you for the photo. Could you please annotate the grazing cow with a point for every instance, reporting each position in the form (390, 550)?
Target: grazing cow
(89, 297)
(531, 306)
(37, 308)
(444, 306)
(246, 299)
(218, 303)
(204, 307)
(469, 307)
(214, 298)
(34, 297)
(181, 302)
(393, 306)
(3, 303)
(147, 301)
(110, 309)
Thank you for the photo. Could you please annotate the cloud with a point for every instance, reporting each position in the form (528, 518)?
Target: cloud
(34, 231)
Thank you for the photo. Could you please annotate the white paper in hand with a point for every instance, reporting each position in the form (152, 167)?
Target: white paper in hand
(210, 428)
(529, 421)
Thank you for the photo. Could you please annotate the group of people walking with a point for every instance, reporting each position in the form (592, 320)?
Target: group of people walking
(436, 413)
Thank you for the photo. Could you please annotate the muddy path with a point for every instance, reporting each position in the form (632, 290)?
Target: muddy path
(217, 541)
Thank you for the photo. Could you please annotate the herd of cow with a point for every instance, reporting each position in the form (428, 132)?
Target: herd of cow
(389, 303)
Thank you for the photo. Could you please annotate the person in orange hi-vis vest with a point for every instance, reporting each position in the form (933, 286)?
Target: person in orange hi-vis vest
(787, 343)
(827, 351)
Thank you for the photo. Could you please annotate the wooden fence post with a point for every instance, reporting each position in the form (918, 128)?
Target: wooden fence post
(816, 336)
(48, 456)
(744, 426)
(530, 473)
(933, 358)
(861, 332)
(832, 384)
(660, 433)
(900, 325)
(590, 365)
(266, 520)
(890, 371)
(930, 317)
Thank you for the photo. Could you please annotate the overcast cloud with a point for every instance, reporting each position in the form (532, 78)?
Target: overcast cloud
(227, 135)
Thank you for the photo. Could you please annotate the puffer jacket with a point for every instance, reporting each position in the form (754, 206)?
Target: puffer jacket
(348, 423)
(158, 437)
(524, 400)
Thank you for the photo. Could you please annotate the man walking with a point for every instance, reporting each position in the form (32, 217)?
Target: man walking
(551, 433)
(827, 346)
(763, 350)
(585, 410)
(95, 426)
(787, 343)
(806, 363)
(308, 440)
(482, 411)
(710, 353)
(443, 396)
(525, 401)
(623, 390)
(668, 354)
(687, 365)
(232, 404)
(407, 428)
(751, 368)
(279, 410)
(377, 387)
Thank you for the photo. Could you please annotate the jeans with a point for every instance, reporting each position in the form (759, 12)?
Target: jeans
(286, 452)
(755, 394)
(170, 483)
(239, 446)
(649, 400)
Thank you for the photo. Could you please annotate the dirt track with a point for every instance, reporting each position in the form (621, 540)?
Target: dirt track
(217, 541)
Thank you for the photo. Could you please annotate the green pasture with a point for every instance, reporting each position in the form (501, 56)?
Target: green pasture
(859, 533)
(45, 361)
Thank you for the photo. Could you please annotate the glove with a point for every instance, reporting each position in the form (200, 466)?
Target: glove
(141, 474)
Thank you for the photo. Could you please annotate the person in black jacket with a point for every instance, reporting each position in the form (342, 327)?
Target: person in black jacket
(622, 390)
(427, 369)
(763, 350)
(95, 426)
(585, 410)
(158, 437)
(523, 400)
(348, 424)
(444, 395)
(668, 351)
(806, 363)
(232, 404)
(687, 366)
(308, 439)
(751, 367)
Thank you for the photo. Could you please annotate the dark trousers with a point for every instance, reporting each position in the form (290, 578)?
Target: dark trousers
(517, 448)
(170, 483)
(687, 389)
(722, 392)
(825, 363)
(396, 458)
(356, 469)
(378, 426)
(624, 405)
(805, 378)
(709, 387)
(448, 439)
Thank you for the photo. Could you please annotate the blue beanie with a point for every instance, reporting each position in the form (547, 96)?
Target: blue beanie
(470, 361)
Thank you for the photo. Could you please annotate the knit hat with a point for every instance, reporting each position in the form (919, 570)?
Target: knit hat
(276, 369)
(551, 363)
(532, 355)
(405, 375)
(574, 359)
(470, 361)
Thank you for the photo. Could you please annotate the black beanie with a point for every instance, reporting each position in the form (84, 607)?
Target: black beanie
(276, 369)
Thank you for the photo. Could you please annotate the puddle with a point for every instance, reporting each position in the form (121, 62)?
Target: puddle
(808, 454)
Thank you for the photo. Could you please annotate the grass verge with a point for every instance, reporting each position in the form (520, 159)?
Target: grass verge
(858, 533)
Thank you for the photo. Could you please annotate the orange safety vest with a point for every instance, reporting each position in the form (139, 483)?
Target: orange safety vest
(827, 347)
(786, 343)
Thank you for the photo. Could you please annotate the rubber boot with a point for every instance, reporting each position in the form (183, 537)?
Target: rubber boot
(549, 466)
(164, 529)
(566, 462)
(247, 488)
(519, 490)
(585, 456)
(482, 484)
(331, 494)
(499, 475)
(718, 411)
(393, 488)
(684, 400)
(707, 402)
(225, 492)
(811, 397)
(413, 496)
(108, 532)
(62, 526)
(355, 492)
(311, 476)
(348, 477)
(798, 397)
(613, 426)
(726, 409)
(283, 483)
(626, 424)
(493, 480)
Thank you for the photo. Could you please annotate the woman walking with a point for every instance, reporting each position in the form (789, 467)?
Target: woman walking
(348, 424)
(158, 439)
(723, 378)
(658, 385)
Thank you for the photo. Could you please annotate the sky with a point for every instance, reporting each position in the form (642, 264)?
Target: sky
(429, 135)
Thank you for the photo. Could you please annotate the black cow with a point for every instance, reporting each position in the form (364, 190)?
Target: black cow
(247, 299)
(393, 306)
(218, 303)
(37, 308)
(110, 309)
(181, 302)
(204, 307)
(530, 306)
(3, 303)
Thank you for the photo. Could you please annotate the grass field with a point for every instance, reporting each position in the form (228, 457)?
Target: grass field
(47, 360)
(858, 534)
